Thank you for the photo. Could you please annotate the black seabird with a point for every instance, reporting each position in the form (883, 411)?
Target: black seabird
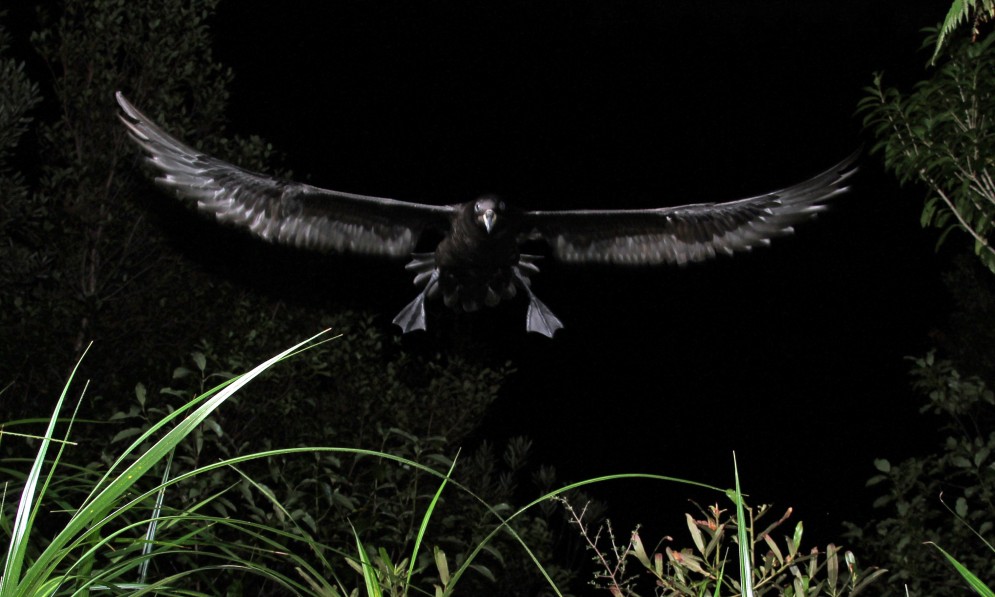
(478, 261)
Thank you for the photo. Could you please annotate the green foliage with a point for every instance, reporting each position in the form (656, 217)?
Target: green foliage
(961, 11)
(969, 335)
(112, 526)
(357, 391)
(917, 490)
(942, 135)
(85, 255)
(708, 568)
(98, 545)
(18, 96)
(63, 557)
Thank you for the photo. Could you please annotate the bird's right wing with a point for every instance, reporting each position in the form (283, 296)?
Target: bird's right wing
(282, 211)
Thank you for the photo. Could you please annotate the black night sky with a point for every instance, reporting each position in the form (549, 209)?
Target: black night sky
(792, 356)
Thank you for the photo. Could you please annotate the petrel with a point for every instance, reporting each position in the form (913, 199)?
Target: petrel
(479, 261)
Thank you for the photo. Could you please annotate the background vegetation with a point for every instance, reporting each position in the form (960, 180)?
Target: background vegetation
(940, 136)
(89, 253)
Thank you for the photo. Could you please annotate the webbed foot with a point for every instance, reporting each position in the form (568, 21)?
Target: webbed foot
(412, 317)
(539, 318)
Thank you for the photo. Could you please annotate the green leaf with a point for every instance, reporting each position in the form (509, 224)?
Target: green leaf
(484, 571)
(125, 434)
(960, 507)
(639, 550)
(441, 564)
(699, 541)
(928, 211)
(961, 462)
(972, 581)
(368, 571)
(796, 539)
(774, 549)
(425, 520)
(958, 12)
(832, 568)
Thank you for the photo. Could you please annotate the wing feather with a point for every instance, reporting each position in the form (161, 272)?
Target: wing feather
(687, 233)
(282, 211)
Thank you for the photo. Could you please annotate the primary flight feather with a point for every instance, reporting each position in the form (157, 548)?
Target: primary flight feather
(478, 262)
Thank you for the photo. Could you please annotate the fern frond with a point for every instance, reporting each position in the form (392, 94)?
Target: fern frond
(961, 11)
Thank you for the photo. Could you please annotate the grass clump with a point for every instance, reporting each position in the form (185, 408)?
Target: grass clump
(162, 517)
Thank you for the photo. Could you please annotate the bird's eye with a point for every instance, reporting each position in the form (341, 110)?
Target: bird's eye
(501, 206)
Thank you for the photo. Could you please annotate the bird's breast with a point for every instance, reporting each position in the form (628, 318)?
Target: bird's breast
(476, 274)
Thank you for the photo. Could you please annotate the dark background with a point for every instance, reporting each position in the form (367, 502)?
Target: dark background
(791, 356)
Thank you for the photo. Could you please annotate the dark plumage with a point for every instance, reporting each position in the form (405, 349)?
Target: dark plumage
(478, 262)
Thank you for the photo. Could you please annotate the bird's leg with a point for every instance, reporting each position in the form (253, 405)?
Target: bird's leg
(539, 318)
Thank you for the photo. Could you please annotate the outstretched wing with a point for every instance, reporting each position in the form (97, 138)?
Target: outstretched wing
(282, 211)
(688, 232)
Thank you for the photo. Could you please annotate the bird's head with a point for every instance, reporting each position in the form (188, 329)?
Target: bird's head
(486, 212)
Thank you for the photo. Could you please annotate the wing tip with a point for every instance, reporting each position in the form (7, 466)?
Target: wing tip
(128, 108)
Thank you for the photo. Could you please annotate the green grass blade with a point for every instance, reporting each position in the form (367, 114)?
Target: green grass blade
(150, 533)
(966, 524)
(264, 540)
(745, 547)
(718, 581)
(91, 516)
(27, 508)
(424, 525)
(369, 572)
(973, 581)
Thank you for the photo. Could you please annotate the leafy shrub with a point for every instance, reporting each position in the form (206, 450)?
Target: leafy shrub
(941, 135)
(85, 254)
(916, 491)
(708, 568)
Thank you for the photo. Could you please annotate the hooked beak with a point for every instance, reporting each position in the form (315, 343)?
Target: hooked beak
(489, 218)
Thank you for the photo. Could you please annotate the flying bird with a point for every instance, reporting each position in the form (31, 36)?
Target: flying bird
(479, 261)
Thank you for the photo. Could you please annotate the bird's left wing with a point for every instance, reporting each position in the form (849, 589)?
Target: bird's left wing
(282, 211)
(687, 233)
